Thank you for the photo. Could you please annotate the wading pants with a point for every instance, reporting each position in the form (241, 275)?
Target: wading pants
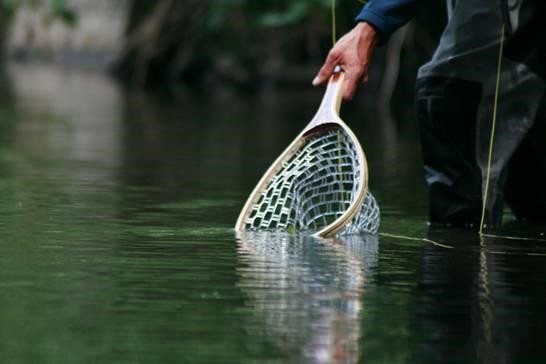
(454, 151)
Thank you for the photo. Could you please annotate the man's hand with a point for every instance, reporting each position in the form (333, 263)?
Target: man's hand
(352, 53)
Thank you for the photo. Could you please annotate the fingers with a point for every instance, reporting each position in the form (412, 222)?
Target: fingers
(355, 74)
(354, 78)
(350, 88)
(326, 70)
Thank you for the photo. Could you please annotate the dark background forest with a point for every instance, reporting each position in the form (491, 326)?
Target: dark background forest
(249, 44)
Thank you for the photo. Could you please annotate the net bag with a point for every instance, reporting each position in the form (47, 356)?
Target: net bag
(315, 187)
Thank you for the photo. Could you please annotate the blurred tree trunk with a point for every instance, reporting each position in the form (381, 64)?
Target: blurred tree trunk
(162, 38)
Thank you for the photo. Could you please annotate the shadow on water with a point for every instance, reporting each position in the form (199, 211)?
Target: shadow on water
(117, 243)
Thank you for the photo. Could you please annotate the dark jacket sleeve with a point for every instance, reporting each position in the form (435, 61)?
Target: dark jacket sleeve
(387, 15)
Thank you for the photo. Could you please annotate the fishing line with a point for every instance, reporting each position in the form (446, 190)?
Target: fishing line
(334, 26)
(492, 136)
(490, 156)
(417, 239)
(512, 238)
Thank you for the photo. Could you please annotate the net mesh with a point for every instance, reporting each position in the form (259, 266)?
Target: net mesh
(314, 188)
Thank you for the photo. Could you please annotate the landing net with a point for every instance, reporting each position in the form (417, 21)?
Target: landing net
(314, 188)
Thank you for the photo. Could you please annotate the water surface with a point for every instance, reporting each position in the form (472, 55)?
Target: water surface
(117, 241)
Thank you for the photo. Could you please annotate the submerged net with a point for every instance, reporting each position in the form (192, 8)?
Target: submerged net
(314, 188)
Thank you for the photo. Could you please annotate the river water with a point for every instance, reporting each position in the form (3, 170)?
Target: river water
(117, 244)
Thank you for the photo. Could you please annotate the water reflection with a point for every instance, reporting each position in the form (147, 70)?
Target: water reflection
(68, 114)
(306, 294)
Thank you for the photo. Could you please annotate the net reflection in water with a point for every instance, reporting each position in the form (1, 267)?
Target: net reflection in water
(306, 293)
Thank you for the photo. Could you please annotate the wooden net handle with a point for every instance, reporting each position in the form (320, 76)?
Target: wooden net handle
(328, 111)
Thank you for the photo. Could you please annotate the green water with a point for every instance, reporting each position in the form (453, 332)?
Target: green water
(117, 244)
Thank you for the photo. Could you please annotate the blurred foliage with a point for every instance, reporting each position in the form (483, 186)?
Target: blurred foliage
(58, 9)
(236, 40)
(269, 14)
